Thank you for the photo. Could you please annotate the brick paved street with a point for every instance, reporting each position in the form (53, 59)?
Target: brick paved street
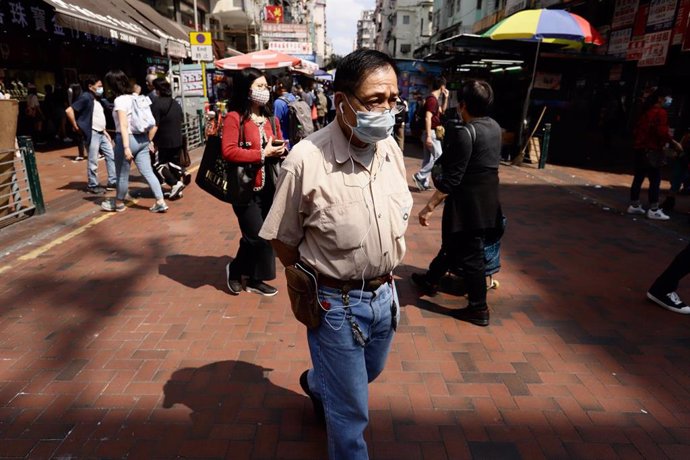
(120, 340)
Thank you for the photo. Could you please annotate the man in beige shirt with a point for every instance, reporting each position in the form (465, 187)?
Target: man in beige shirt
(342, 206)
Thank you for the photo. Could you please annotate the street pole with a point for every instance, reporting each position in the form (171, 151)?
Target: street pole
(196, 18)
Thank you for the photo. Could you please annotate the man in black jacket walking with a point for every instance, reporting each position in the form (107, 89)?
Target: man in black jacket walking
(469, 185)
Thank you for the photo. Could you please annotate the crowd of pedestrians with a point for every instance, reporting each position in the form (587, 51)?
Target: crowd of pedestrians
(324, 189)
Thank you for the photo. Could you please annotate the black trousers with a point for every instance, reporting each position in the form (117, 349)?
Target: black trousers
(465, 251)
(644, 170)
(168, 168)
(668, 281)
(255, 258)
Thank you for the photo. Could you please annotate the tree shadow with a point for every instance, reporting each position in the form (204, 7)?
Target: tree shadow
(196, 271)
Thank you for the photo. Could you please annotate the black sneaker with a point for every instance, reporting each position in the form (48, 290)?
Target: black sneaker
(234, 286)
(669, 301)
(97, 190)
(478, 316)
(424, 285)
(316, 402)
(259, 287)
(111, 187)
(186, 178)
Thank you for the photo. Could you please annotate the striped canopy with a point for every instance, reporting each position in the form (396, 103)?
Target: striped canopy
(266, 59)
(545, 25)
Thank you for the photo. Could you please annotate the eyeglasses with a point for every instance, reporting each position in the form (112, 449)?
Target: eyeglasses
(397, 108)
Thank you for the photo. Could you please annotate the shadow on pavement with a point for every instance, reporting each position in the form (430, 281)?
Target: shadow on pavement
(196, 271)
(234, 394)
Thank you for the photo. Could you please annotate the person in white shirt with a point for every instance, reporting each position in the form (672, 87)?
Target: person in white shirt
(87, 117)
(130, 146)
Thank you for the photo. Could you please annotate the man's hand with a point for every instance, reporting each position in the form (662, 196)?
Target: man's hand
(429, 143)
(424, 215)
(677, 146)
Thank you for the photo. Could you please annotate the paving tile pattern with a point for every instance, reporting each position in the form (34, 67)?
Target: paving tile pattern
(123, 342)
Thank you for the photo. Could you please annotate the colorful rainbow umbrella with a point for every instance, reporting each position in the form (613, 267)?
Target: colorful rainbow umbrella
(545, 25)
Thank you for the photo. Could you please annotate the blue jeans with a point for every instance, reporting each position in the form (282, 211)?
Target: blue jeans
(343, 368)
(430, 157)
(100, 142)
(139, 145)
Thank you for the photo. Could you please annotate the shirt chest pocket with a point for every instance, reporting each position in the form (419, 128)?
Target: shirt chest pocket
(344, 226)
(400, 210)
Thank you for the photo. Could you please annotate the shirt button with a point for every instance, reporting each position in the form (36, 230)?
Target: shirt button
(379, 215)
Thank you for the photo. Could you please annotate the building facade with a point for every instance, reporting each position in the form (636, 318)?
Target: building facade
(402, 26)
(366, 30)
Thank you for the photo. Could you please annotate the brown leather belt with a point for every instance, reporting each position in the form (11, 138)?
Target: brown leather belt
(370, 285)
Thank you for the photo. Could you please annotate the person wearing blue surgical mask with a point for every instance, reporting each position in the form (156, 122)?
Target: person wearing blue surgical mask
(87, 116)
(337, 223)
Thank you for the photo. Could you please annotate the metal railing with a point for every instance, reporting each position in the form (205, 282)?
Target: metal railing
(20, 187)
(193, 131)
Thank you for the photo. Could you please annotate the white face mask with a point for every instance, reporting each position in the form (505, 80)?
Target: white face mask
(259, 96)
(371, 126)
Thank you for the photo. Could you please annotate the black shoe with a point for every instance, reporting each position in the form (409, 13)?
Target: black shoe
(234, 286)
(669, 301)
(97, 190)
(316, 402)
(424, 285)
(186, 178)
(478, 316)
(110, 187)
(259, 287)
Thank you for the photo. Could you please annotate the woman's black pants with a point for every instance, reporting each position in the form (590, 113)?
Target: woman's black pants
(255, 258)
(466, 251)
(667, 282)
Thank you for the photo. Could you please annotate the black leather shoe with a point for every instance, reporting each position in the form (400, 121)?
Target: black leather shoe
(316, 402)
(234, 286)
(424, 285)
(478, 316)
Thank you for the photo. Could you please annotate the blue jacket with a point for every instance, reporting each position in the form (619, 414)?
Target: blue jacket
(282, 112)
(83, 110)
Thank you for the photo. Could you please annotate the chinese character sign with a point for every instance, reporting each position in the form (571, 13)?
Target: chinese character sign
(274, 14)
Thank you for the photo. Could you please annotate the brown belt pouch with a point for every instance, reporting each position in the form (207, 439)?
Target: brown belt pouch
(303, 296)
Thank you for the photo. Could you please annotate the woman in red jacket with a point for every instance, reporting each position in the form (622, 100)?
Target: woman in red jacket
(651, 135)
(251, 136)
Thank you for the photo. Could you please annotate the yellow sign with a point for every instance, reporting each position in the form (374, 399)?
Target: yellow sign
(200, 38)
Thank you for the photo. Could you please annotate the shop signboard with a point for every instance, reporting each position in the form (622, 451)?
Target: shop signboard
(635, 48)
(655, 49)
(270, 31)
(618, 42)
(291, 47)
(624, 14)
(681, 22)
(192, 82)
(661, 15)
(175, 49)
(513, 6)
(545, 80)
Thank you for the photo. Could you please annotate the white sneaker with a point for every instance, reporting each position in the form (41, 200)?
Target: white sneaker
(176, 191)
(657, 214)
(632, 209)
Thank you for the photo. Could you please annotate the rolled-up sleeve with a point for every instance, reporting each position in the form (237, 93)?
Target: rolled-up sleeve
(285, 221)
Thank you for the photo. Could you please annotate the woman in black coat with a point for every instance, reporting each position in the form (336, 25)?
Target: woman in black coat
(469, 185)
